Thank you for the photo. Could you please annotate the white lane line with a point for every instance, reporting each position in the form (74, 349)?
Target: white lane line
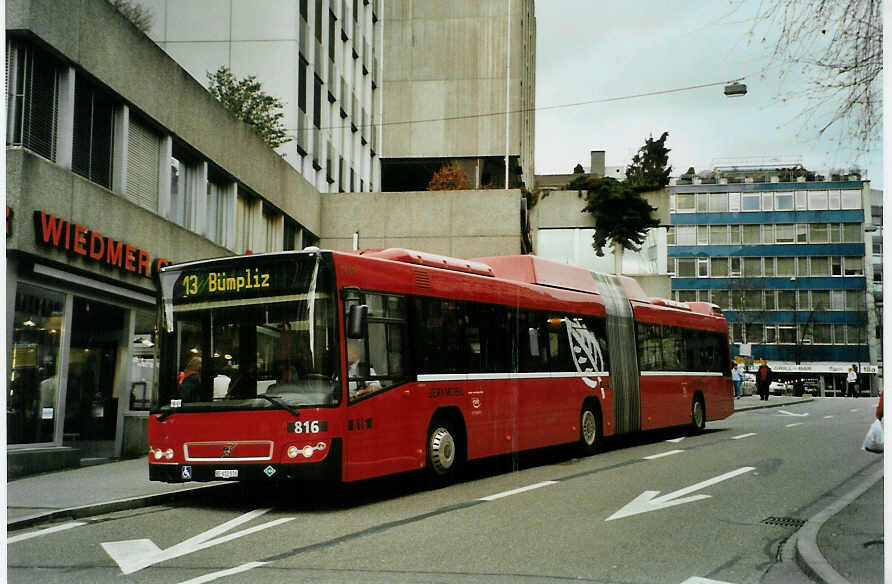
(854, 410)
(827, 417)
(699, 580)
(743, 436)
(516, 491)
(661, 455)
(47, 531)
(223, 573)
(676, 440)
(794, 424)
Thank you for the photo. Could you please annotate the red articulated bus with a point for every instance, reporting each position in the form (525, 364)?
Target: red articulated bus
(358, 365)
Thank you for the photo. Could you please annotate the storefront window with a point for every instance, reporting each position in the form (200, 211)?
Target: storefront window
(143, 367)
(31, 401)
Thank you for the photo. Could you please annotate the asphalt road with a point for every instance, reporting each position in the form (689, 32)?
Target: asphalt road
(662, 507)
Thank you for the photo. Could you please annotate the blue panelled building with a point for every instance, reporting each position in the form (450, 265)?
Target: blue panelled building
(787, 255)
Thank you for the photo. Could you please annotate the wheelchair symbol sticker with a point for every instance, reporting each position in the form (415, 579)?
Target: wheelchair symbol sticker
(186, 473)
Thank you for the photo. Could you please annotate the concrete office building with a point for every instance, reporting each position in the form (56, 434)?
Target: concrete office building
(786, 254)
(320, 57)
(451, 72)
(117, 161)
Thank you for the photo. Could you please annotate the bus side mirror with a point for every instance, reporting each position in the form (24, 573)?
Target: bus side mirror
(534, 342)
(356, 321)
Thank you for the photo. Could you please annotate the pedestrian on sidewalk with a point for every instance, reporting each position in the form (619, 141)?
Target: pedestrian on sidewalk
(763, 381)
(851, 382)
(880, 407)
(735, 378)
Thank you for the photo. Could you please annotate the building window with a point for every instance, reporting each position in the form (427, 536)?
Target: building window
(722, 298)
(750, 201)
(786, 335)
(34, 382)
(801, 200)
(718, 202)
(685, 203)
(752, 234)
(784, 233)
(734, 202)
(32, 99)
(143, 163)
(820, 300)
(783, 201)
(91, 155)
(752, 267)
(685, 268)
(817, 200)
(786, 267)
(851, 199)
(854, 266)
(217, 206)
(718, 234)
(786, 300)
(735, 267)
(817, 233)
(718, 267)
(851, 233)
(855, 300)
(819, 266)
(702, 267)
(822, 334)
(767, 201)
(702, 202)
(801, 233)
(833, 200)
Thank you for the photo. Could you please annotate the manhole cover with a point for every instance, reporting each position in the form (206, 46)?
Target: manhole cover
(784, 521)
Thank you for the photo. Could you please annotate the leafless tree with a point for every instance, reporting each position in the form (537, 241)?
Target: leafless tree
(837, 45)
(139, 15)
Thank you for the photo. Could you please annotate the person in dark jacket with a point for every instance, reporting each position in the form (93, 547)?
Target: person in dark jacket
(190, 380)
(763, 381)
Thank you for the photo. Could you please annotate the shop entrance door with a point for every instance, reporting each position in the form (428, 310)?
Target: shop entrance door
(91, 402)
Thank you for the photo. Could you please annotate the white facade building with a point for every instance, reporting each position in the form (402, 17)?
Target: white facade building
(320, 57)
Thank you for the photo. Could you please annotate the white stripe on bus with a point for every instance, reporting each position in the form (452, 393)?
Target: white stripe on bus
(502, 376)
(427, 377)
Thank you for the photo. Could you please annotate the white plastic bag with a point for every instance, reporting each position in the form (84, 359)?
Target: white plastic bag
(873, 442)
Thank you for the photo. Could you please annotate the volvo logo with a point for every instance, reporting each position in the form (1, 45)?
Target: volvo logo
(227, 450)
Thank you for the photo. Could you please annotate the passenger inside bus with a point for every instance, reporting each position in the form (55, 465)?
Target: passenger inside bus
(359, 372)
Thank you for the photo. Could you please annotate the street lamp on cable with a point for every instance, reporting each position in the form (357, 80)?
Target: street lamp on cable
(735, 89)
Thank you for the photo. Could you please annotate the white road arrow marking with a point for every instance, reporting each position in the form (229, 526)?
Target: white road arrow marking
(648, 500)
(699, 580)
(135, 554)
(740, 436)
(786, 413)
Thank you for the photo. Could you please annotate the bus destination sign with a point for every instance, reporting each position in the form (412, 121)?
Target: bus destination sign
(207, 283)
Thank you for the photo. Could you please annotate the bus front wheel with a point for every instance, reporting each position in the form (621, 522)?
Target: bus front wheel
(444, 455)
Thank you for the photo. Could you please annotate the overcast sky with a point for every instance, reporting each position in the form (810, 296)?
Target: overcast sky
(593, 50)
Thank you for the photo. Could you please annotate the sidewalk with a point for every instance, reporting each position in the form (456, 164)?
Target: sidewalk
(841, 544)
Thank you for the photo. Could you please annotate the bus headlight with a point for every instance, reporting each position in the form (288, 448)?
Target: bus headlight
(293, 451)
(168, 454)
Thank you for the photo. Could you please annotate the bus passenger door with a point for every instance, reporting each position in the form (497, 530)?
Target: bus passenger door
(376, 428)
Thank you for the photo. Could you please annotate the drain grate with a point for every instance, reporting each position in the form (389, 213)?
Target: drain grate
(784, 521)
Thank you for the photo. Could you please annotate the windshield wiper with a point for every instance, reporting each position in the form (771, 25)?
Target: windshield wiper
(277, 402)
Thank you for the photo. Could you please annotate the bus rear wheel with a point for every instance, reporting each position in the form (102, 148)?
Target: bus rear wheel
(698, 415)
(589, 430)
(444, 454)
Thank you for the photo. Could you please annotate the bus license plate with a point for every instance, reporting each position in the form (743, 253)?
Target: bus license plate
(226, 474)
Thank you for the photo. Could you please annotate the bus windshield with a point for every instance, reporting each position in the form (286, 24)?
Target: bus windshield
(272, 346)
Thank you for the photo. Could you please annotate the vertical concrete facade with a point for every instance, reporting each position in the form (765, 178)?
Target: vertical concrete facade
(449, 68)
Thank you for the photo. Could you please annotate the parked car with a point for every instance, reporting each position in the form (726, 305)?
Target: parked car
(777, 387)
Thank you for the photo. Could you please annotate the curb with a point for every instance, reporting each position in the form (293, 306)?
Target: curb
(107, 507)
(773, 405)
(806, 554)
